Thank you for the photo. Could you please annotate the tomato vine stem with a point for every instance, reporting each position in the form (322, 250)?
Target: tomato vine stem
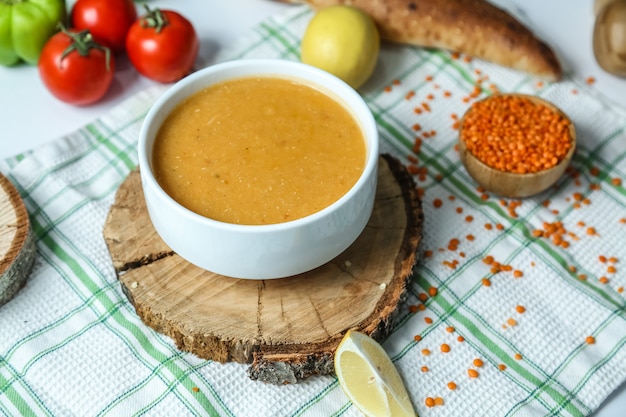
(154, 19)
(83, 42)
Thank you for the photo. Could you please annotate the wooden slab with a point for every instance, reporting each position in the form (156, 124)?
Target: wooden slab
(287, 328)
(17, 245)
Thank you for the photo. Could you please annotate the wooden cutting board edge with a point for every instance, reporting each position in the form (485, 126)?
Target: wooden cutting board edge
(17, 261)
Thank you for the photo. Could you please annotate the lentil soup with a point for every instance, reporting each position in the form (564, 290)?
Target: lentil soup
(258, 150)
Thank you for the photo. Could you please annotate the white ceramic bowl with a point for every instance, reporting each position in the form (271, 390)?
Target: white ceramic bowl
(260, 251)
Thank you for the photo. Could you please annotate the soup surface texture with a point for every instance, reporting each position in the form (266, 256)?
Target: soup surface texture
(258, 151)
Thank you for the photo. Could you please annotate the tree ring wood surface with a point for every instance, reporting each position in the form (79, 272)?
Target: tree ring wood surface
(17, 244)
(287, 328)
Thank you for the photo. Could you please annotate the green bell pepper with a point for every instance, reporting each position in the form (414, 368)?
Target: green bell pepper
(25, 27)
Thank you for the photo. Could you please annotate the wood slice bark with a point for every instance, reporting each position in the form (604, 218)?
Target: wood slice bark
(286, 329)
(17, 244)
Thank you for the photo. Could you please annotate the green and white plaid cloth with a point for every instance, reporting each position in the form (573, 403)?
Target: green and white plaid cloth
(551, 342)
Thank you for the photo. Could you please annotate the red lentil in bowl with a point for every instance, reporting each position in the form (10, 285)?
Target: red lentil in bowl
(516, 145)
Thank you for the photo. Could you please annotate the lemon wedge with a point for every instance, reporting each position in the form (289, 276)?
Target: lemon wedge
(344, 41)
(369, 378)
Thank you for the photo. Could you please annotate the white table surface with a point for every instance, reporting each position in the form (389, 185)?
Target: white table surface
(30, 116)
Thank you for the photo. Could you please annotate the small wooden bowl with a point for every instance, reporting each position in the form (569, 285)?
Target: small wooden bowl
(514, 185)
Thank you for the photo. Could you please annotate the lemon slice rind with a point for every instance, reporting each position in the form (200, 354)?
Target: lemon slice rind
(369, 378)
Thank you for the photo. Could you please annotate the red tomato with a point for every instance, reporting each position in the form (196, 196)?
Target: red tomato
(74, 68)
(107, 20)
(162, 45)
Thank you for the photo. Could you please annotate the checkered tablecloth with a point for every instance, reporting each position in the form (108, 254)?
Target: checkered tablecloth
(545, 331)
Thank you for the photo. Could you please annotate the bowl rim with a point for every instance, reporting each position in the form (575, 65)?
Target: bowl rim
(339, 91)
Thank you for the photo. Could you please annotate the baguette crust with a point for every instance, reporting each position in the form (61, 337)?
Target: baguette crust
(472, 27)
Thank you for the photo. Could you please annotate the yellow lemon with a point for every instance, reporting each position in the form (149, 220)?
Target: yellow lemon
(344, 41)
(369, 378)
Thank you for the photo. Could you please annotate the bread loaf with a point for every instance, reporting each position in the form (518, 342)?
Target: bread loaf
(473, 27)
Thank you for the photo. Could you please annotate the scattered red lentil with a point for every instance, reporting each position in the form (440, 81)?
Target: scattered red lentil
(591, 231)
(620, 290)
(409, 95)
(425, 352)
(616, 182)
(486, 282)
(470, 237)
(195, 389)
(590, 80)
(438, 401)
(429, 78)
(590, 340)
(424, 368)
(511, 322)
(604, 280)
(413, 308)
(437, 202)
(520, 309)
(428, 320)
(413, 169)
(422, 296)
(432, 291)
(611, 269)
(478, 362)
(488, 226)
(451, 265)
(582, 277)
(502, 367)
(460, 339)
(430, 402)
(514, 134)
(452, 385)
(450, 329)
(417, 127)
(473, 373)
(518, 357)
(387, 89)
(428, 253)
(417, 337)
(469, 219)
(445, 348)
(518, 274)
